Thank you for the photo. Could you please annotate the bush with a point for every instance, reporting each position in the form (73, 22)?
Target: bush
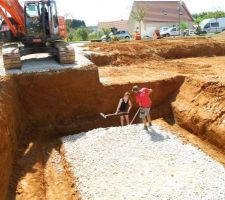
(106, 32)
(95, 35)
(80, 34)
(183, 25)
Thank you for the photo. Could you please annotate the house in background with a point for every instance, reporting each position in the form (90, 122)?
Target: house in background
(120, 25)
(159, 14)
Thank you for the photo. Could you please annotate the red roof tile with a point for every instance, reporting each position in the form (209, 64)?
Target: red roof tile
(120, 25)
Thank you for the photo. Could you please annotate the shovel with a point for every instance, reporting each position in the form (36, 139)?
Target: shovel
(135, 116)
(114, 114)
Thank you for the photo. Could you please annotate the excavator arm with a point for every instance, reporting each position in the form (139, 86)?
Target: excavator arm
(14, 8)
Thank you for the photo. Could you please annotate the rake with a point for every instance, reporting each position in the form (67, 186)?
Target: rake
(114, 114)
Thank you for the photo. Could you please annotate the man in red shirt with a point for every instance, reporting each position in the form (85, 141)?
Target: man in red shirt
(145, 103)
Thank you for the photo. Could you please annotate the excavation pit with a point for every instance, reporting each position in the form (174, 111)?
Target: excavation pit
(39, 107)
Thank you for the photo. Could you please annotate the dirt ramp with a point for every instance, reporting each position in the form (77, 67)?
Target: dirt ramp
(12, 123)
(200, 108)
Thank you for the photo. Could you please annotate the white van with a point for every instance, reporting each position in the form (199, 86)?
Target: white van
(213, 25)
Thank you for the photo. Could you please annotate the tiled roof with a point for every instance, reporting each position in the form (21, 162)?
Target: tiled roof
(120, 25)
(163, 11)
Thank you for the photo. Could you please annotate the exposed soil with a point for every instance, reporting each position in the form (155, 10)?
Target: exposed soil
(199, 106)
(40, 171)
(56, 104)
(126, 53)
(188, 79)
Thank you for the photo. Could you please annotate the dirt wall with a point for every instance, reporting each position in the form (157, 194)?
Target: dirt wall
(71, 101)
(12, 125)
(200, 108)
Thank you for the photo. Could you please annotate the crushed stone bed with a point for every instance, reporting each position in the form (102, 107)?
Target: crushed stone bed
(135, 164)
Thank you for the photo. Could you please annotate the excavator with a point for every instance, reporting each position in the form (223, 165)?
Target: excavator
(35, 28)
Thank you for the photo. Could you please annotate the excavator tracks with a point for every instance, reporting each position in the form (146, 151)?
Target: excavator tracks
(11, 56)
(66, 53)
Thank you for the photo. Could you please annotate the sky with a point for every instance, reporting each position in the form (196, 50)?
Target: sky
(94, 11)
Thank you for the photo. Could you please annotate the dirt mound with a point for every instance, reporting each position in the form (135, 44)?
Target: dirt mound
(220, 35)
(127, 53)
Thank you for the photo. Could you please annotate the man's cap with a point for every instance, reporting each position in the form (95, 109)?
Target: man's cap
(135, 88)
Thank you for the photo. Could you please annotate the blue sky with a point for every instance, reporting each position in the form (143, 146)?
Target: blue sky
(93, 11)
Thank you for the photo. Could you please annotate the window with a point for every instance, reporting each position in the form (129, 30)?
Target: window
(174, 29)
(207, 25)
(32, 10)
(216, 24)
(164, 12)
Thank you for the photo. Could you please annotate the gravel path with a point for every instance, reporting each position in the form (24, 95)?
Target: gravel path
(131, 163)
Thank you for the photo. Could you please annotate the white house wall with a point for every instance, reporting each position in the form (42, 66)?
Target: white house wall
(147, 28)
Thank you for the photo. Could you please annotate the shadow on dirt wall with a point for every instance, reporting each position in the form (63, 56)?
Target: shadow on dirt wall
(30, 160)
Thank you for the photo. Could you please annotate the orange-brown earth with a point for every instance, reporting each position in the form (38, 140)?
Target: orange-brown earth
(199, 106)
(188, 79)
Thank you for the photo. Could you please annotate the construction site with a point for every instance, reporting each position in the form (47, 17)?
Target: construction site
(58, 143)
(44, 101)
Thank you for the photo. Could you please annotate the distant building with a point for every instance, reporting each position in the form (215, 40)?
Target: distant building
(120, 25)
(159, 14)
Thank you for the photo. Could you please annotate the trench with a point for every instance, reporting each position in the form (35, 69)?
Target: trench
(37, 109)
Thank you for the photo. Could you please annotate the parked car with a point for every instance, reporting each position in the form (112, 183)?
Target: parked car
(123, 35)
(170, 32)
(190, 32)
(119, 34)
(163, 29)
(212, 25)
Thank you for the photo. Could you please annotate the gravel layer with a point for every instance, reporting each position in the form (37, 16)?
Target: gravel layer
(131, 163)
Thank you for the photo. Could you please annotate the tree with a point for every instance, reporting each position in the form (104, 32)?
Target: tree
(183, 25)
(82, 34)
(138, 15)
(198, 17)
(75, 23)
(70, 36)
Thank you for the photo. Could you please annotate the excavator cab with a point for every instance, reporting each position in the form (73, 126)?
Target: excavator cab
(38, 28)
(41, 21)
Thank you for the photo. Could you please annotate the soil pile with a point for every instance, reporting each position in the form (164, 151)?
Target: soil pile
(126, 53)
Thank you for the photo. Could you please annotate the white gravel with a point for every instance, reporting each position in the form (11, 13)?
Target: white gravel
(131, 163)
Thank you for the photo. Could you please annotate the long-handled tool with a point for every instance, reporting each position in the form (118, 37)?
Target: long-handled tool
(114, 114)
(135, 116)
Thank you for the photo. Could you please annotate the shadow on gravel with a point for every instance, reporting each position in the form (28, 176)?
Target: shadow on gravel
(156, 137)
